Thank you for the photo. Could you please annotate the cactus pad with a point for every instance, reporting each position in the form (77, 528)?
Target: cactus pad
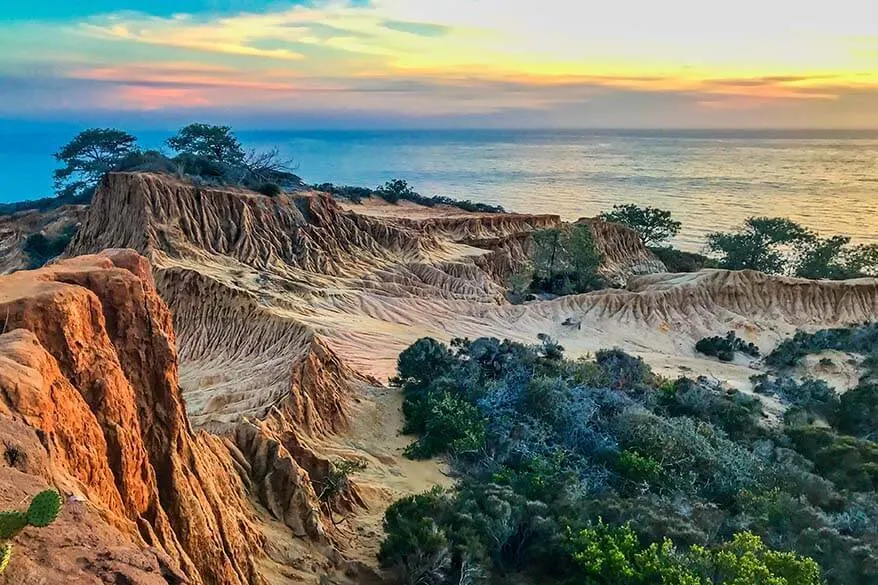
(44, 508)
(11, 523)
(5, 555)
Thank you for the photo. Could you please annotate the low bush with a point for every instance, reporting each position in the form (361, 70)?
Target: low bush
(450, 424)
(809, 395)
(858, 411)
(855, 339)
(679, 261)
(736, 413)
(565, 261)
(848, 462)
(398, 190)
(338, 480)
(40, 248)
(269, 189)
(724, 348)
(611, 555)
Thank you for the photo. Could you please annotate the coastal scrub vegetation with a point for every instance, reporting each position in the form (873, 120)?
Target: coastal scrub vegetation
(40, 248)
(781, 246)
(724, 348)
(680, 261)
(564, 260)
(656, 226)
(397, 190)
(772, 245)
(599, 471)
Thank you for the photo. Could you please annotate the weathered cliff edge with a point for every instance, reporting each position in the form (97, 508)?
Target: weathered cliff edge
(90, 404)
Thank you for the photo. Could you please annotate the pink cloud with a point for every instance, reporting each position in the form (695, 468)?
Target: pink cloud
(157, 98)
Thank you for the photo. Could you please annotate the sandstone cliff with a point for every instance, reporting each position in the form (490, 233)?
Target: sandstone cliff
(90, 404)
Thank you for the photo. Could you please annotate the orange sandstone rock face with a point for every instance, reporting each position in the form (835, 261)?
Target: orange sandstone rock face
(90, 403)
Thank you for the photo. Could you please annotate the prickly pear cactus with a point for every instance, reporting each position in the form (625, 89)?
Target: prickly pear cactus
(11, 523)
(44, 508)
(5, 555)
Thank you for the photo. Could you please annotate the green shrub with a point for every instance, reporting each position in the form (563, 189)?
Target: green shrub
(338, 480)
(809, 395)
(639, 469)
(736, 413)
(848, 462)
(612, 556)
(544, 447)
(40, 249)
(760, 245)
(746, 560)
(858, 411)
(855, 339)
(565, 261)
(424, 360)
(679, 261)
(416, 547)
(269, 189)
(724, 348)
(451, 424)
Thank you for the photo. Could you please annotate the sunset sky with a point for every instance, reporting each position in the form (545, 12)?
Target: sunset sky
(443, 63)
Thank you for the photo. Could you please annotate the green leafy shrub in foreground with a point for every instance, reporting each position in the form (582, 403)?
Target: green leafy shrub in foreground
(613, 556)
(450, 424)
(562, 444)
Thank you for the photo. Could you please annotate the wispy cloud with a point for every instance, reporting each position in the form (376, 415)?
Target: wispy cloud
(416, 57)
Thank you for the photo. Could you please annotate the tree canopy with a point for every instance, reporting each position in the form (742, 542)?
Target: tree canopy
(90, 155)
(652, 224)
(216, 144)
(777, 245)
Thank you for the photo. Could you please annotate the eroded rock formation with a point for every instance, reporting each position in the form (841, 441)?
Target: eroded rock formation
(88, 382)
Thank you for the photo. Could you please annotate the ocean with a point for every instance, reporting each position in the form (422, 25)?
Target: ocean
(710, 180)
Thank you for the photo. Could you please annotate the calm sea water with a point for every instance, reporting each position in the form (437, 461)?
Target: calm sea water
(709, 180)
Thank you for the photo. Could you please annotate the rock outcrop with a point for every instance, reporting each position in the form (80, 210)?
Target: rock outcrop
(88, 382)
(622, 251)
